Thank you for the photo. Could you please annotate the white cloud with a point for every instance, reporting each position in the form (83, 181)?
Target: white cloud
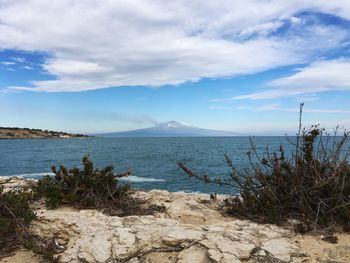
(278, 107)
(9, 69)
(318, 77)
(28, 67)
(7, 63)
(220, 108)
(97, 44)
(307, 97)
(5, 91)
(290, 127)
(19, 59)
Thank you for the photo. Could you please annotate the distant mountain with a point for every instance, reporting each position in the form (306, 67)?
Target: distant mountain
(169, 129)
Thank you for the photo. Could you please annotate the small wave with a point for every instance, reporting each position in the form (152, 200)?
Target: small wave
(31, 175)
(131, 178)
(137, 179)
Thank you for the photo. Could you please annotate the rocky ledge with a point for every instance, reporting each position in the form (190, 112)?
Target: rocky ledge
(191, 229)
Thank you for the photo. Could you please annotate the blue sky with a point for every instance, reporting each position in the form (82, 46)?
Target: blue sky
(243, 66)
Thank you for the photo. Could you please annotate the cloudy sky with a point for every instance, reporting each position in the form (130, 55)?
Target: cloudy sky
(113, 65)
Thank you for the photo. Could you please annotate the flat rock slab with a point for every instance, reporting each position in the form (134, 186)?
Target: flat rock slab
(191, 229)
(188, 231)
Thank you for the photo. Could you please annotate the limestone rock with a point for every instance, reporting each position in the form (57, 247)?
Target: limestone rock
(194, 254)
(16, 182)
(189, 231)
(280, 248)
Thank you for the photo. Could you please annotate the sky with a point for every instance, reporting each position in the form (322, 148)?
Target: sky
(243, 66)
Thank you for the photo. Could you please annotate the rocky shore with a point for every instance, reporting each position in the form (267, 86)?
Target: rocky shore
(191, 229)
(25, 133)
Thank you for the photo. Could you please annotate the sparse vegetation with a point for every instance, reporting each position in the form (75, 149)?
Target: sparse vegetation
(91, 188)
(15, 216)
(26, 133)
(312, 187)
(87, 187)
(83, 188)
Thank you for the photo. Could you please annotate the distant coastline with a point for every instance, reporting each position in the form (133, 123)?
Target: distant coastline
(27, 133)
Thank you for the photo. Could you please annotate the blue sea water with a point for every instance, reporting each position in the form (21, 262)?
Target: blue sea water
(152, 160)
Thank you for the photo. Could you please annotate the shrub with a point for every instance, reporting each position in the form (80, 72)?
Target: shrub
(312, 186)
(87, 187)
(15, 216)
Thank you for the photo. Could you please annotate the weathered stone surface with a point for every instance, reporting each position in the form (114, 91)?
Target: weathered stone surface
(16, 182)
(280, 248)
(191, 229)
(194, 253)
(188, 231)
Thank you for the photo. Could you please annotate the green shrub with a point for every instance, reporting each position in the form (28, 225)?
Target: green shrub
(87, 187)
(312, 186)
(15, 216)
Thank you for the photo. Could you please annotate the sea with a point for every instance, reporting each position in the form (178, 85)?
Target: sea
(153, 161)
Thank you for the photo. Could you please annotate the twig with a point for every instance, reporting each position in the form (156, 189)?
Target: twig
(15, 218)
(299, 129)
(160, 249)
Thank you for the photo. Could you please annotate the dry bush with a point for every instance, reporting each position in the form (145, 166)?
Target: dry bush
(87, 187)
(91, 188)
(312, 186)
(15, 216)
